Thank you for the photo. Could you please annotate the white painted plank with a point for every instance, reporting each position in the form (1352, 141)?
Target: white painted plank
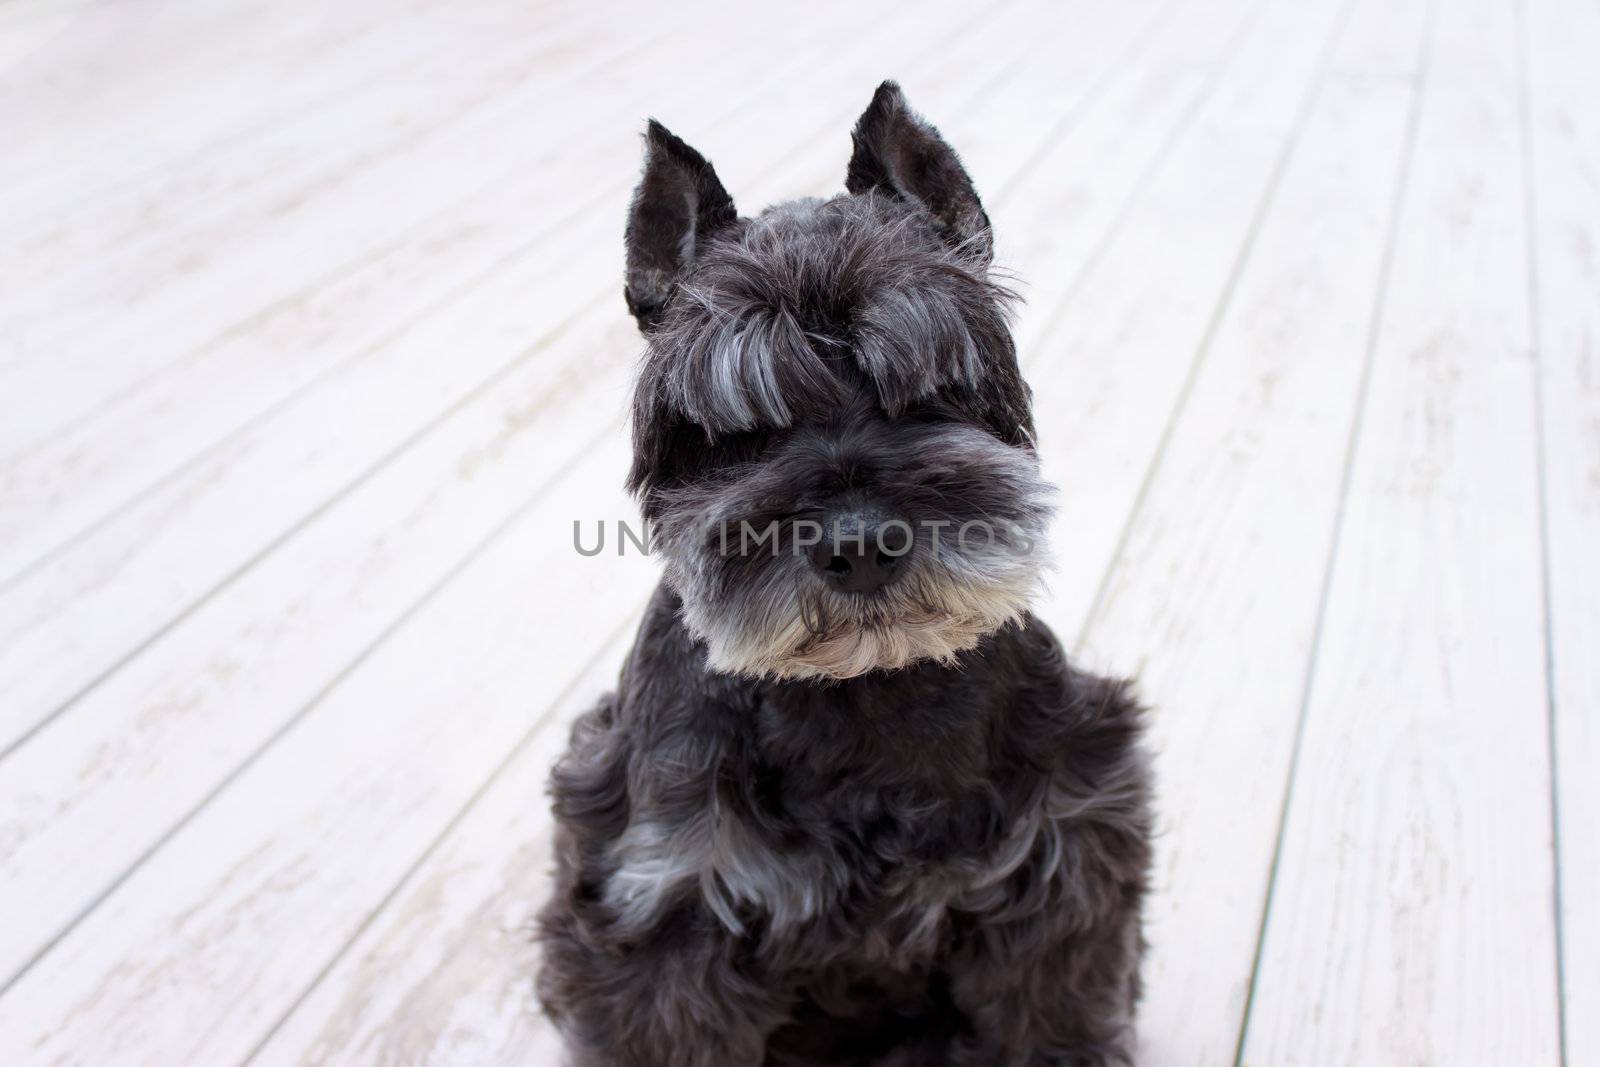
(1563, 39)
(1213, 600)
(112, 89)
(201, 949)
(371, 87)
(1106, 379)
(1411, 918)
(445, 974)
(125, 312)
(66, 623)
(33, 28)
(1068, 205)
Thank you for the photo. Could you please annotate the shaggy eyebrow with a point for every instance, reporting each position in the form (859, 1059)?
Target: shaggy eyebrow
(738, 365)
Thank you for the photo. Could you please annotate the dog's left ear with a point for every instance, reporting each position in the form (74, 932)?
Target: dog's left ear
(896, 152)
(679, 202)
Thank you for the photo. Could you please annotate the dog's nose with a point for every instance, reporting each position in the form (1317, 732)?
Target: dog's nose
(862, 557)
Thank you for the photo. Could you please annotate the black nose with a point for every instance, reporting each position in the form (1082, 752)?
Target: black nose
(861, 557)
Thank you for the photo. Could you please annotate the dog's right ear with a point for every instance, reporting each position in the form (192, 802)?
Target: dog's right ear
(898, 153)
(679, 202)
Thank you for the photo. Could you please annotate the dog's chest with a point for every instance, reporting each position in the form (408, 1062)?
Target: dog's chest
(808, 806)
(888, 864)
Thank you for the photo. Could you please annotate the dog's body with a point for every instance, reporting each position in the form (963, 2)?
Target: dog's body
(849, 805)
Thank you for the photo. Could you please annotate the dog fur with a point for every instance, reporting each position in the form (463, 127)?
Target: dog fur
(818, 826)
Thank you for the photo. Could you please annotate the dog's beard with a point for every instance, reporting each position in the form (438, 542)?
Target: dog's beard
(841, 636)
(782, 622)
(976, 511)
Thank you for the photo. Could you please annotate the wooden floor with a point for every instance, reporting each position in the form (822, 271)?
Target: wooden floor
(312, 350)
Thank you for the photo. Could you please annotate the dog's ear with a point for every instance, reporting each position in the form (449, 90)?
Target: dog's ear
(678, 203)
(898, 153)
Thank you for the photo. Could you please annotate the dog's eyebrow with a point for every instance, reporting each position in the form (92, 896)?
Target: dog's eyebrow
(810, 296)
(746, 367)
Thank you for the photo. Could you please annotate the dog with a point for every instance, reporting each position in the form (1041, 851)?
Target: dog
(849, 804)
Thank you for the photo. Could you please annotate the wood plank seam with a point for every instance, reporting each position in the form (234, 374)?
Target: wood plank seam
(270, 124)
(1541, 478)
(294, 720)
(1062, 126)
(288, 533)
(464, 113)
(603, 649)
(276, 306)
(1157, 163)
(1224, 300)
(1346, 479)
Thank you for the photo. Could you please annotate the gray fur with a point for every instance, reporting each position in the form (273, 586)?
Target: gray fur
(829, 825)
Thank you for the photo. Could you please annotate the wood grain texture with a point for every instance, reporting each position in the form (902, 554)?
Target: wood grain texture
(115, 109)
(94, 246)
(1108, 376)
(1560, 39)
(1411, 918)
(234, 917)
(149, 294)
(1212, 601)
(113, 86)
(1057, 216)
(444, 975)
(166, 279)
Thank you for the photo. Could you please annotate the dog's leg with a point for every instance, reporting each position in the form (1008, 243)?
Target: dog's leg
(671, 989)
(1048, 971)
(676, 1002)
(1068, 1004)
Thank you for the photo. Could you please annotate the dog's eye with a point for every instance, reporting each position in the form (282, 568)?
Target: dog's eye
(929, 409)
(745, 446)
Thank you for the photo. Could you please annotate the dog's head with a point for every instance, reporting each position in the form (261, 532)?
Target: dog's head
(832, 440)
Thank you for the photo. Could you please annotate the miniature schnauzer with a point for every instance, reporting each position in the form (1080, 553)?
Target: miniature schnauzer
(850, 804)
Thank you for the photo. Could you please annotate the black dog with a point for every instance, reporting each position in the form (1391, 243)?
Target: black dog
(850, 804)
